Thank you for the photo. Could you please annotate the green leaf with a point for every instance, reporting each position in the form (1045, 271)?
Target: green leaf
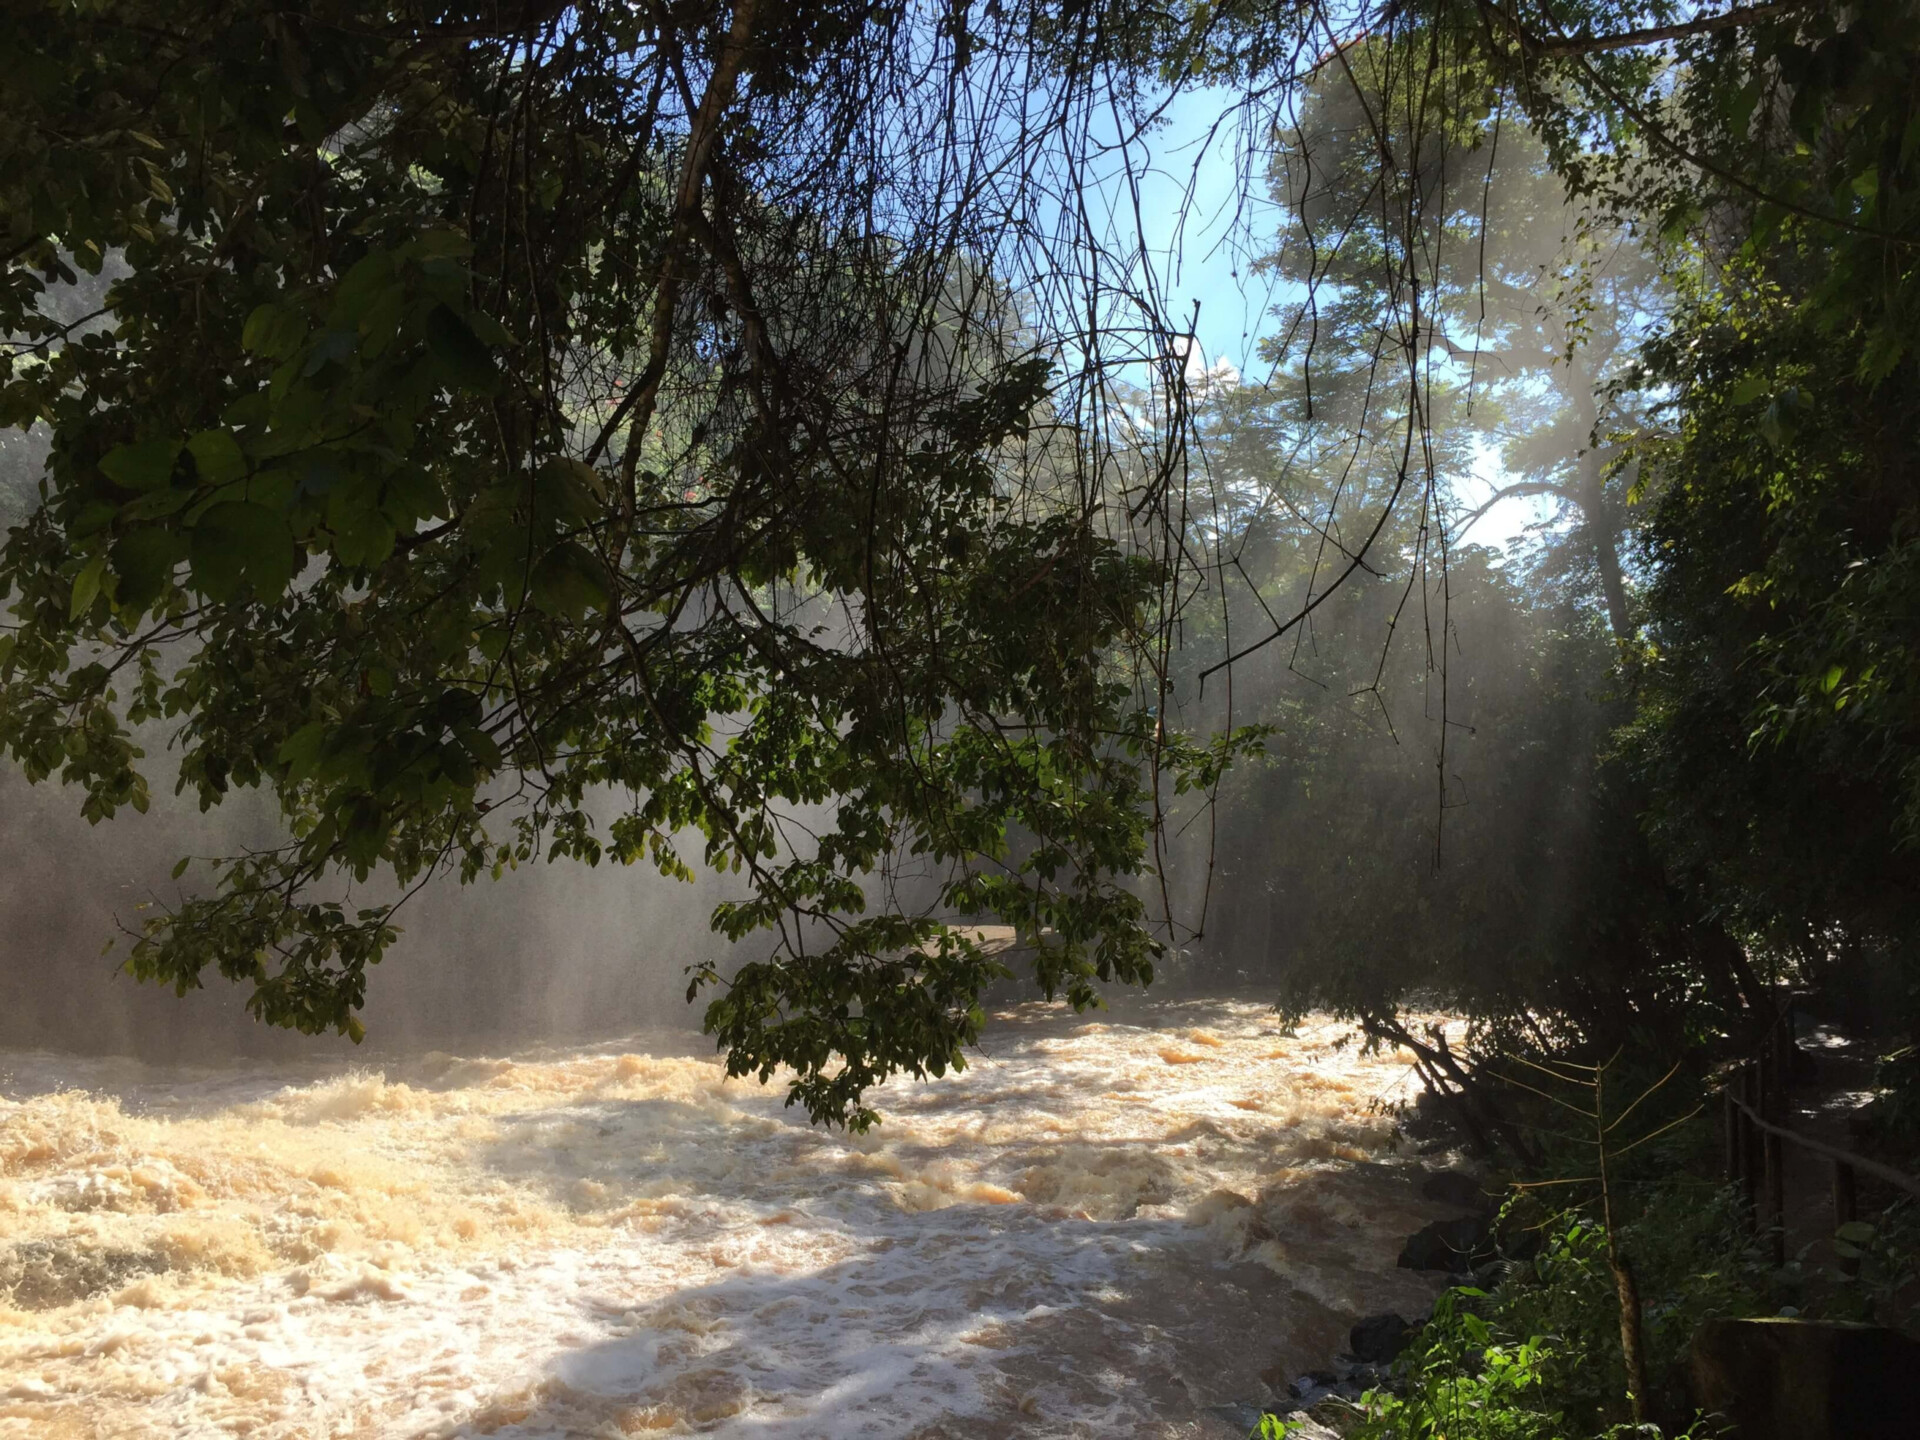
(1773, 427)
(1749, 389)
(144, 466)
(274, 331)
(216, 455)
(409, 496)
(240, 540)
(362, 535)
(155, 505)
(331, 346)
(380, 321)
(569, 581)
(459, 352)
(86, 587)
(180, 868)
(489, 330)
(369, 281)
(1855, 1232)
(480, 745)
(1885, 344)
(300, 752)
(441, 244)
(576, 491)
(144, 561)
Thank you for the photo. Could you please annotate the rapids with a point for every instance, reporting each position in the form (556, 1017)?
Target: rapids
(1104, 1227)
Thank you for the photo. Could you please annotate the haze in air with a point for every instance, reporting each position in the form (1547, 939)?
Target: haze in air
(992, 720)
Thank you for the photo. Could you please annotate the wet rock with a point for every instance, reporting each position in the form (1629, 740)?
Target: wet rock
(1244, 1418)
(41, 1275)
(1806, 1379)
(1324, 1403)
(1378, 1339)
(1240, 1420)
(1312, 1385)
(1455, 1246)
(1363, 1378)
(1239, 1416)
(1338, 1416)
(1454, 1187)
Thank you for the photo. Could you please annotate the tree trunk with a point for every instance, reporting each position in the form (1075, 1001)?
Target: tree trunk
(1602, 530)
(1632, 1348)
(1603, 534)
(1606, 555)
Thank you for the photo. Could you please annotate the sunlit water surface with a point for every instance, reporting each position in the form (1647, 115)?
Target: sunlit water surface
(1100, 1229)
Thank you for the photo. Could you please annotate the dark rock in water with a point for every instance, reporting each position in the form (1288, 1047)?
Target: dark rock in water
(1313, 1384)
(44, 1275)
(1246, 1419)
(1454, 1187)
(1807, 1379)
(1455, 1246)
(1243, 1417)
(1378, 1339)
(1339, 1416)
(1364, 1378)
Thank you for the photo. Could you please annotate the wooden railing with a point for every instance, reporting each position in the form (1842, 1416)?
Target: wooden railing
(1755, 1101)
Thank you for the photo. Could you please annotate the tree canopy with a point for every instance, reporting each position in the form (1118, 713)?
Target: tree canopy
(591, 431)
(561, 430)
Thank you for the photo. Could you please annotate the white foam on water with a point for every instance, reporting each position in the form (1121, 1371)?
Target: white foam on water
(1101, 1228)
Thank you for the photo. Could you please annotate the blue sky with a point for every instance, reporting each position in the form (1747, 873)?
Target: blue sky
(1204, 227)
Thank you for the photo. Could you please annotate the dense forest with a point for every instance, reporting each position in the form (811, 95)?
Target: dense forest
(767, 441)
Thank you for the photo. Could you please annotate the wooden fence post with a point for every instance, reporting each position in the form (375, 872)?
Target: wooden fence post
(1846, 1205)
(1772, 1108)
(1735, 1122)
(1846, 1208)
(1783, 1043)
(1750, 1141)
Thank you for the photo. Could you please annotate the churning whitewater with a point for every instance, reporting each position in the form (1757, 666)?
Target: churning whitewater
(1103, 1228)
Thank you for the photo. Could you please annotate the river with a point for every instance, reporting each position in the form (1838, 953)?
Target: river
(1107, 1225)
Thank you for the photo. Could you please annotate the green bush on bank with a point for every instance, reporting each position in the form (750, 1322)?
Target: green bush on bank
(1459, 1379)
(1538, 1358)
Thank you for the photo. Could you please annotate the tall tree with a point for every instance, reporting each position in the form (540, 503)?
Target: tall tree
(1780, 714)
(1533, 302)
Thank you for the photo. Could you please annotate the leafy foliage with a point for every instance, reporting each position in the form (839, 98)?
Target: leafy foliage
(1693, 1258)
(1539, 1359)
(1739, 384)
(499, 448)
(586, 433)
(1460, 1381)
(1780, 683)
(1779, 687)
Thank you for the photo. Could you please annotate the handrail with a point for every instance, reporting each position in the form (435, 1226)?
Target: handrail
(1833, 1152)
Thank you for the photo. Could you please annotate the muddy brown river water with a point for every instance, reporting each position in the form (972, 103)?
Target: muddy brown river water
(1105, 1227)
